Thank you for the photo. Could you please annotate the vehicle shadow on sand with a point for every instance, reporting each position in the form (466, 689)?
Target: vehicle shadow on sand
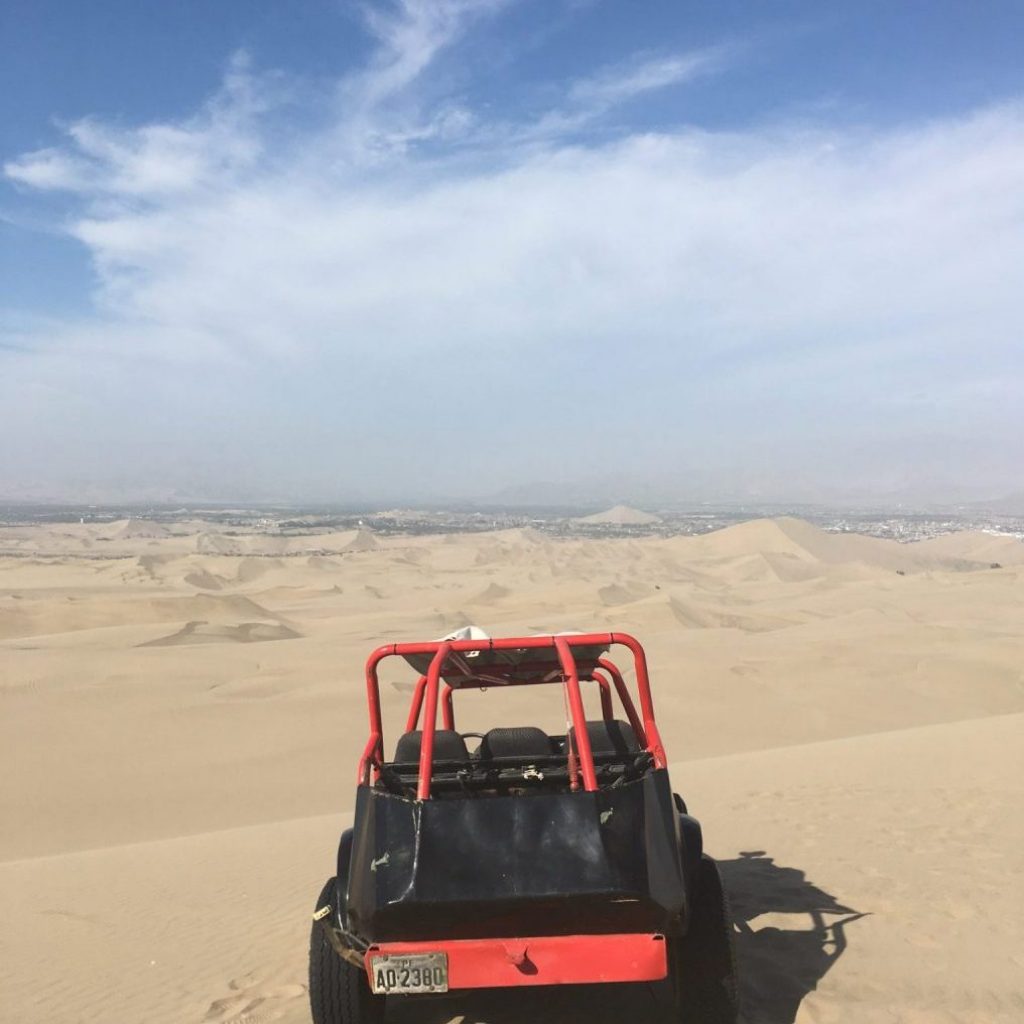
(780, 960)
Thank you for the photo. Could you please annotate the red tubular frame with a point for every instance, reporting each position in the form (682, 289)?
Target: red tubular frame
(430, 721)
(607, 711)
(428, 687)
(579, 716)
(624, 698)
(417, 703)
(447, 709)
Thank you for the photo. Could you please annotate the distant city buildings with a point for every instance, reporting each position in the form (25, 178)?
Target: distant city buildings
(903, 526)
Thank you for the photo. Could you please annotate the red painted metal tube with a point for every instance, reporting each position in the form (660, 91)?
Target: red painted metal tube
(448, 708)
(643, 682)
(430, 723)
(525, 643)
(375, 746)
(371, 756)
(541, 960)
(643, 723)
(625, 699)
(607, 711)
(579, 717)
(417, 704)
(373, 692)
(643, 685)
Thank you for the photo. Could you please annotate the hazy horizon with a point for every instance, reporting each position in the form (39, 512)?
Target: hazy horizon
(539, 497)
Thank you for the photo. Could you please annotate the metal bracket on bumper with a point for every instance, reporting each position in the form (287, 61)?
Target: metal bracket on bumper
(348, 946)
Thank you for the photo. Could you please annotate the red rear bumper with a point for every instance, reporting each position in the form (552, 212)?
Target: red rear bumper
(543, 960)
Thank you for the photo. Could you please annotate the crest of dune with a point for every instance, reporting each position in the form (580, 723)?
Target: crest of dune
(797, 540)
(364, 540)
(141, 529)
(199, 632)
(620, 515)
(975, 546)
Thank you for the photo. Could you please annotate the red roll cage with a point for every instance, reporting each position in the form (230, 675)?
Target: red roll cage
(452, 661)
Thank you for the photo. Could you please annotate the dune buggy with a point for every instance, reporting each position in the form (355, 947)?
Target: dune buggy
(530, 859)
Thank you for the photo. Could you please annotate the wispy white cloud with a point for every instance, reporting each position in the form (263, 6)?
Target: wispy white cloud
(381, 112)
(588, 100)
(411, 34)
(793, 284)
(644, 74)
(156, 161)
(50, 169)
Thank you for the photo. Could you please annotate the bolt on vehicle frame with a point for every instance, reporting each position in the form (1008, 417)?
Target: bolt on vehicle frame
(532, 860)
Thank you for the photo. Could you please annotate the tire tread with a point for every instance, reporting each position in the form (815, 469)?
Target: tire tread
(708, 986)
(339, 992)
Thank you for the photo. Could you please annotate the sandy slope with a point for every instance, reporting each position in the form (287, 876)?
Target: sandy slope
(180, 728)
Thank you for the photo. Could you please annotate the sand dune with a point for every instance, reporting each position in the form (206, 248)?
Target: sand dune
(140, 529)
(216, 544)
(615, 594)
(31, 615)
(206, 580)
(364, 540)
(491, 593)
(795, 539)
(844, 714)
(209, 633)
(620, 515)
(975, 546)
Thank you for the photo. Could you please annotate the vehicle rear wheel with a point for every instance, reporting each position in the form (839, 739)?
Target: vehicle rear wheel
(704, 959)
(339, 992)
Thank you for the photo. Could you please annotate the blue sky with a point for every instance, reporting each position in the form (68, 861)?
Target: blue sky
(400, 250)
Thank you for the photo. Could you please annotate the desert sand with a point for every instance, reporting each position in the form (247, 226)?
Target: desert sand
(182, 711)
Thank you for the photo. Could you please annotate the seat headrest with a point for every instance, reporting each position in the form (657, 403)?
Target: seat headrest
(613, 737)
(448, 746)
(516, 741)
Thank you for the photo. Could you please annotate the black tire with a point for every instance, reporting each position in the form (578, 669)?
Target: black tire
(705, 959)
(339, 992)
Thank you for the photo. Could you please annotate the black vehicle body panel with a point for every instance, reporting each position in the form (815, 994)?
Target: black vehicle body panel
(613, 860)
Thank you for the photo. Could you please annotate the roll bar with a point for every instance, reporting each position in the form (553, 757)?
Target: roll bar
(568, 672)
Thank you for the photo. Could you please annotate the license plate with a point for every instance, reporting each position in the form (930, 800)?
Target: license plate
(403, 973)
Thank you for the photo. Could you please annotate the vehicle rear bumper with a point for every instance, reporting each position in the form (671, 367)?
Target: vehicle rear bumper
(540, 960)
